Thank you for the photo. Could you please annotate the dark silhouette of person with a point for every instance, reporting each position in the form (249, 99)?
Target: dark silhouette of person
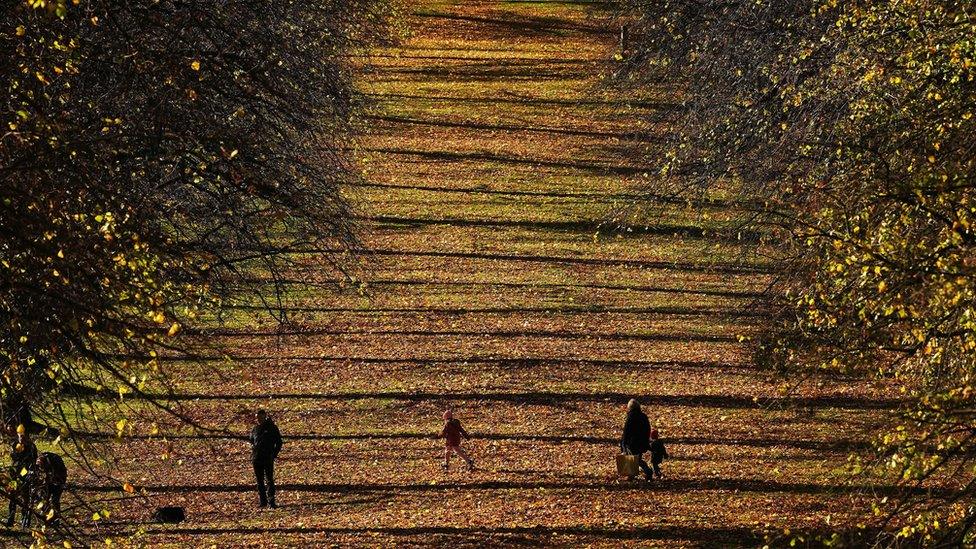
(636, 437)
(52, 476)
(658, 452)
(23, 454)
(265, 446)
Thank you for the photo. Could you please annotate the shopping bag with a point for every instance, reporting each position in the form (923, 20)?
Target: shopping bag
(627, 465)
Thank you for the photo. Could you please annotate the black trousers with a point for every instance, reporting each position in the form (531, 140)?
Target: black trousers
(20, 496)
(264, 472)
(53, 495)
(657, 467)
(643, 466)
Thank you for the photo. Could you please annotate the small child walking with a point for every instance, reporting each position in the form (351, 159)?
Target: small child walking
(658, 452)
(452, 433)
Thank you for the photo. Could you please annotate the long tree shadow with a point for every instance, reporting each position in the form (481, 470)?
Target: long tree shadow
(713, 267)
(706, 267)
(834, 446)
(544, 334)
(474, 73)
(452, 156)
(531, 536)
(735, 294)
(474, 60)
(508, 127)
(700, 312)
(730, 402)
(474, 361)
(609, 198)
(587, 227)
(670, 485)
(521, 25)
(528, 101)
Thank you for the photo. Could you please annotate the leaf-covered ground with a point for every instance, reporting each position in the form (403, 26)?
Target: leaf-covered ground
(493, 154)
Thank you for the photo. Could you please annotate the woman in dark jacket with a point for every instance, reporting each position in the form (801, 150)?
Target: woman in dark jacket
(637, 434)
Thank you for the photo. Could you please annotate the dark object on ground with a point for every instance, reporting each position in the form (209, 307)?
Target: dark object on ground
(169, 515)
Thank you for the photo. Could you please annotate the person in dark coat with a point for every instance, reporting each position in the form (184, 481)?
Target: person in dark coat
(658, 452)
(23, 454)
(52, 475)
(636, 437)
(265, 446)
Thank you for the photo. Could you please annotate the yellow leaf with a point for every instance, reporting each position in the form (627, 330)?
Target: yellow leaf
(195, 65)
(128, 488)
(174, 329)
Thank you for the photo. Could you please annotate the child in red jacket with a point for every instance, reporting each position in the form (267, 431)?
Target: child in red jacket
(452, 433)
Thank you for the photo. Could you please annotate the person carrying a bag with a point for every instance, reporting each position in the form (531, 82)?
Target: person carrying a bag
(636, 438)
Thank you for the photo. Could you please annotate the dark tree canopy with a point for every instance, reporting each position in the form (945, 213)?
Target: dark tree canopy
(850, 129)
(154, 157)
